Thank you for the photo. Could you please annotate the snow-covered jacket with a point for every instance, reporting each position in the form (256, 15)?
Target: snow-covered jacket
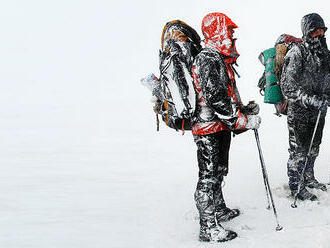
(305, 80)
(218, 100)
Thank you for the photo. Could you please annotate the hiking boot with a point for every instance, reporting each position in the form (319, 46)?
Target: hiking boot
(314, 184)
(226, 214)
(216, 234)
(304, 194)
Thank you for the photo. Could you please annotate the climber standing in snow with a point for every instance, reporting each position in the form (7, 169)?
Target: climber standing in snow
(305, 84)
(219, 112)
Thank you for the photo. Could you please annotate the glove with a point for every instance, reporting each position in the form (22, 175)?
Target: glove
(253, 122)
(252, 108)
(323, 104)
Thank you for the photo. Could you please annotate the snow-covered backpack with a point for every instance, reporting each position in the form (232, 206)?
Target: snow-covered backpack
(174, 90)
(269, 83)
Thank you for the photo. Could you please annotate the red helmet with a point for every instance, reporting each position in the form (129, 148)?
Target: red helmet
(215, 24)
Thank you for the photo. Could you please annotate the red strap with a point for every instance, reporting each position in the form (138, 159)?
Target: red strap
(182, 127)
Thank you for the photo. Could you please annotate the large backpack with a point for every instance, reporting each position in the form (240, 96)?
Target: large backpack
(174, 89)
(269, 83)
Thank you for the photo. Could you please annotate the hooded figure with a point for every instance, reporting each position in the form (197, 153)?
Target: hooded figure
(305, 84)
(309, 24)
(219, 111)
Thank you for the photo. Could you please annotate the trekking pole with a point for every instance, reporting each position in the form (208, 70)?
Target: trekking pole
(267, 194)
(157, 122)
(329, 181)
(294, 204)
(266, 181)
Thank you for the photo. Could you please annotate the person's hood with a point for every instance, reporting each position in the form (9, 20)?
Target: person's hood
(215, 30)
(310, 23)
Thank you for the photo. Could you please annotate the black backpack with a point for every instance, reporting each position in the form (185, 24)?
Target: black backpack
(174, 90)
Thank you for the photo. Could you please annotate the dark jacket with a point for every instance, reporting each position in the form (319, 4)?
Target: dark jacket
(218, 100)
(305, 79)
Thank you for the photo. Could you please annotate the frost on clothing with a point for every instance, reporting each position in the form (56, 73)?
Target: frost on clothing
(305, 78)
(218, 100)
(300, 133)
(305, 84)
(217, 113)
(212, 155)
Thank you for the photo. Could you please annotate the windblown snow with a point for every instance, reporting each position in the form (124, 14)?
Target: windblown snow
(81, 162)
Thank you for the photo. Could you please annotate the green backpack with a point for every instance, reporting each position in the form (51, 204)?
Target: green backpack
(269, 83)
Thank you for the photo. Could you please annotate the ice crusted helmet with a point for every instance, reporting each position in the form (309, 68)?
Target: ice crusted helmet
(312, 22)
(216, 30)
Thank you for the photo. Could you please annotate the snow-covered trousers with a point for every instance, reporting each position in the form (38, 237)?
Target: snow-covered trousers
(301, 129)
(212, 155)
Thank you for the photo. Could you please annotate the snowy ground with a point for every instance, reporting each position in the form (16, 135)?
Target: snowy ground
(81, 163)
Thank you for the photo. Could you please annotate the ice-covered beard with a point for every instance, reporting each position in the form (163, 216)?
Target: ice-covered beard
(317, 44)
